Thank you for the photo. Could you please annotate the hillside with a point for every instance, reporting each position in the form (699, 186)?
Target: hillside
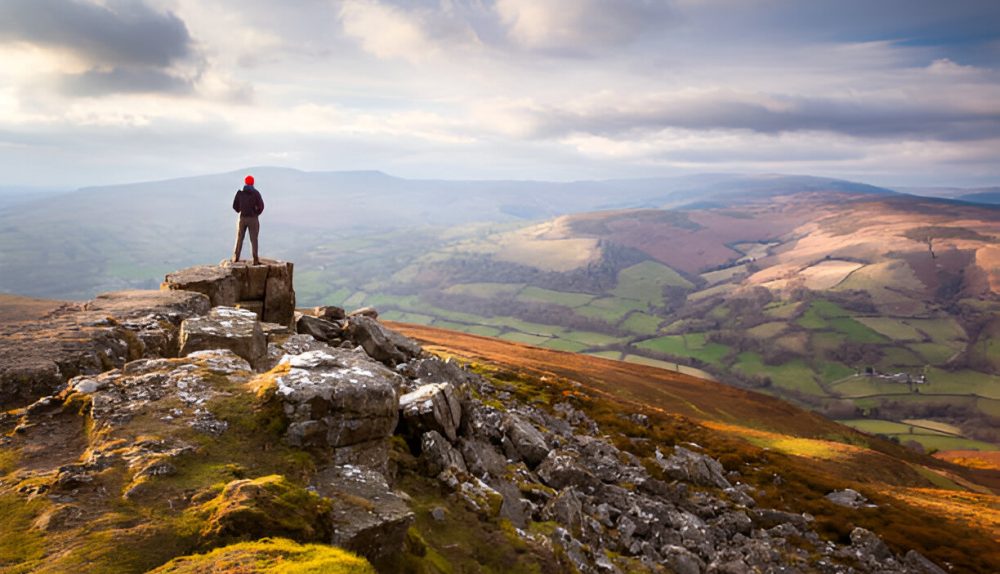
(339, 444)
(879, 311)
(368, 223)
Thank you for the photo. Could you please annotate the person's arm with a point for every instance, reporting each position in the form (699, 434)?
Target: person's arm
(236, 202)
(260, 203)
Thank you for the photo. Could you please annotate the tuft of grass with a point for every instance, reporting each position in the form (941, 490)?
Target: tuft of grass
(270, 556)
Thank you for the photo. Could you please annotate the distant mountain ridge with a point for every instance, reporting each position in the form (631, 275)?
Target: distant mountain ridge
(73, 245)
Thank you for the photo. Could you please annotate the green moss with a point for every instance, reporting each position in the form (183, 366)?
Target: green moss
(268, 505)
(9, 459)
(20, 545)
(270, 556)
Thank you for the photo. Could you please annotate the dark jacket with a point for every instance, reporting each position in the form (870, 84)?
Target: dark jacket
(248, 202)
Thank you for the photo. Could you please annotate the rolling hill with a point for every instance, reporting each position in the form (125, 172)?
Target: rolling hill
(874, 307)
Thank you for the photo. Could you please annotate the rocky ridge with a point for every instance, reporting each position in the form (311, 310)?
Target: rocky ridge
(239, 430)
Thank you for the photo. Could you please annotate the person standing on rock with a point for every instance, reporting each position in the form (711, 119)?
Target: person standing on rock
(249, 204)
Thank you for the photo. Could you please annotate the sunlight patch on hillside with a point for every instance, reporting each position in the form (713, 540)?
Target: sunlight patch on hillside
(797, 446)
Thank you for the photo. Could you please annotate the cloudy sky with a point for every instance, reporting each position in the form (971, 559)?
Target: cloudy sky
(894, 92)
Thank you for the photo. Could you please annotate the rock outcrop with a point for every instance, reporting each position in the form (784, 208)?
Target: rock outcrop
(225, 328)
(40, 356)
(265, 289)
(340, 400)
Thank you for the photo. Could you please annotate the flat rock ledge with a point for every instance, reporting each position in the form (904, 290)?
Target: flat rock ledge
(265, 289)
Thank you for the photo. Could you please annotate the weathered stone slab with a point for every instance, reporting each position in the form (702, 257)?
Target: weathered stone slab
(433, 407)
(266, 288)
(337, 398)
(225, 328)
(383, 345)
(279, 297)
(40, 356)
(213, 281)
(368, 517)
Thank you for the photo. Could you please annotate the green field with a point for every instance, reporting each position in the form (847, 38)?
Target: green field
(641, 324)
(856, 331)
(645, 282)
(941, 382)
(692, 345)
(793, 375)
(610, 309)
(537, 340)
(767, 330)
(564, 345)
(863, 386)
(895, 329)
(782, 310)
(485, 290)
(935, 353)
(539, 295)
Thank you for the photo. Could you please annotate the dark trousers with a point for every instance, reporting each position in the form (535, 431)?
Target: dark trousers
(246, 222)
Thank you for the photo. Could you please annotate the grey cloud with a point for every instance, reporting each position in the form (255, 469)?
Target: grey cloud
(865, 119)
(124, 80)
(124, 32)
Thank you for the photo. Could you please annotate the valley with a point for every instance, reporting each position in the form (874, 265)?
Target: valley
(871, 307)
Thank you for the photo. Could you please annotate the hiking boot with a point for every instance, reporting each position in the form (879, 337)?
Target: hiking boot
(256, 261)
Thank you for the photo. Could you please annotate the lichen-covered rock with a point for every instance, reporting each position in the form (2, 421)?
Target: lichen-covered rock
(522, 441)
(438, 454)
(40, 356)
(561, 469)
(337, 398)
(693, 467)
(265, 289)
(565, 508)
(432, 407)
(214, 281)
(265, 506)
(368, 517)
(382, 344)
(225, 328)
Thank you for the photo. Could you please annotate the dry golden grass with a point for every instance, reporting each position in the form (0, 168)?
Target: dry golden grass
(16, 308)
(986, 460)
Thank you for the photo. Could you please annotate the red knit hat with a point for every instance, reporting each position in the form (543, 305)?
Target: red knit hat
(248, 180)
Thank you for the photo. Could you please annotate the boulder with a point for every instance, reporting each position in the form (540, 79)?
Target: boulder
(337, 398)
(383, 345)
(214, 281)
(681, 560)
(920, 564)
(481, 458)
(522, 441)
(868, 543)
(319, 329)
(693, 467)
(561, 469)
(848, 497)
(438, 454)
(566, 509)
(370, 312)
(433, 407)
(225, 328)
(367, 517)
(265, 289)
(279, 296)
(328, 312)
